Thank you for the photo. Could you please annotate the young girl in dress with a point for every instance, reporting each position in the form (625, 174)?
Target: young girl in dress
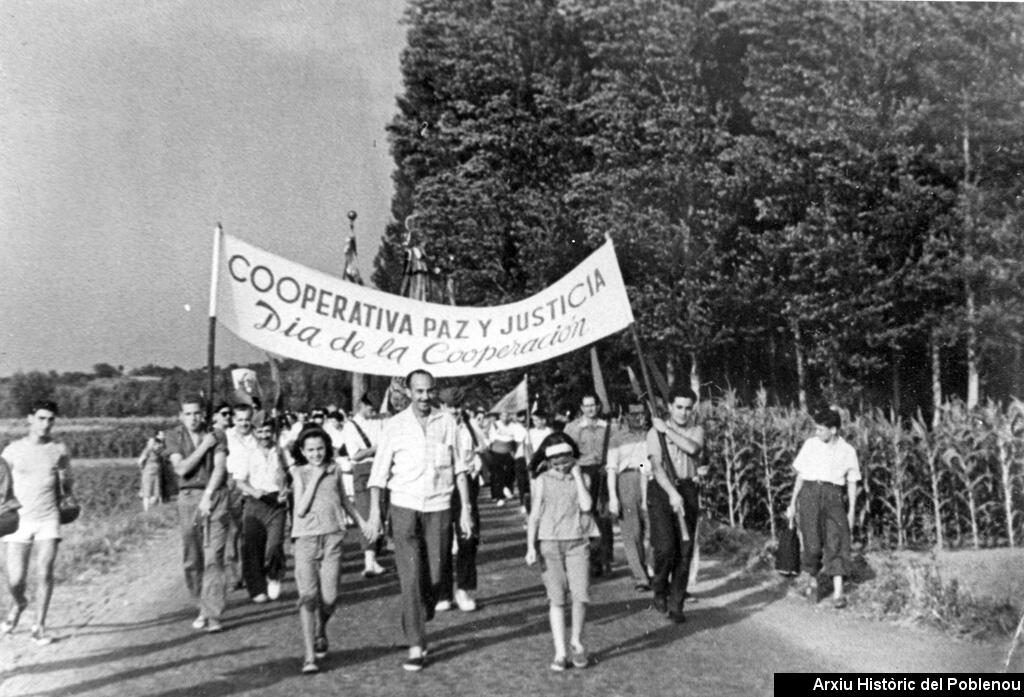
(560, 520)
(318, 529)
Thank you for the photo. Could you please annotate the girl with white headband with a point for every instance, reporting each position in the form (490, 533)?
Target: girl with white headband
(561, 521)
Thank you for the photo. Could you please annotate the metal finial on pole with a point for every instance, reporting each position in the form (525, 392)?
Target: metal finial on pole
(352, 215)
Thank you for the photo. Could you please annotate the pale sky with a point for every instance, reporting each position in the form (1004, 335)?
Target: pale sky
(129, 128)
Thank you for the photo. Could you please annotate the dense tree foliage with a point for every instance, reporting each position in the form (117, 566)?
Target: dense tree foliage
(824, 199)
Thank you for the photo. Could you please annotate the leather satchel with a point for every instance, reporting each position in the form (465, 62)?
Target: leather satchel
(787, 554)
(9, 520)
(66, 503)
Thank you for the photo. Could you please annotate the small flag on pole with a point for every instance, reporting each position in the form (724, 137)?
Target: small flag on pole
(515, 401)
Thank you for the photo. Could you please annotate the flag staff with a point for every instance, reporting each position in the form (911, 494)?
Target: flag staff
(662, 441)
(357, 380)
(211, 340)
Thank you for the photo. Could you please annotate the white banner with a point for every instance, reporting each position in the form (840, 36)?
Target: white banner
(295, 311)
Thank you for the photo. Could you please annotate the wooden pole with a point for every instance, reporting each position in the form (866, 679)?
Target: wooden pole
(662, 441)
(218, 233)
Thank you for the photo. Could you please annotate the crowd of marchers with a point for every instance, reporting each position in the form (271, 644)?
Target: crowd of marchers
(407, 485)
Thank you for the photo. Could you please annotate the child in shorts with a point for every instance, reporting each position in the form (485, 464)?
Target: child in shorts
(561, 522)
(318, 529)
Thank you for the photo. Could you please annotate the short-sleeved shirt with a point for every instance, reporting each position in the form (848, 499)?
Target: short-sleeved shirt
(589, 437)
(507, 437)
(417, 463)
(179, 441)
(684, 466)
(240, 449)
(34, 469)
(627, 451)
(834, 462)
(534, 437)
(262, 469)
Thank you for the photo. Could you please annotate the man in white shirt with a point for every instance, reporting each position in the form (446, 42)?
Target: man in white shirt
(37, 463)
(505, 436)
(241, 444)
(415, 462)
(468, 444)
(259, 474)
(825, 466)
(592, 436)
(628, 468)
(360, 436)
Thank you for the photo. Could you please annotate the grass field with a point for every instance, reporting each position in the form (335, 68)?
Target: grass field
(112, 521)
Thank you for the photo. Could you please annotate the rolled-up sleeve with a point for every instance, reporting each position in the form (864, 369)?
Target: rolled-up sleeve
(381, 468)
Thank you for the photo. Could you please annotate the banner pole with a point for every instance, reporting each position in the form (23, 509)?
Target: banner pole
(211, 341)
(662, 441)
(527, 446)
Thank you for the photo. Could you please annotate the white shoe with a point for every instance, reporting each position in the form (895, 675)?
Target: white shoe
(507, 492)
(260, 599)
(443, 606)
(499, 502)
(273, 589)
(199, 622)
(465, 603)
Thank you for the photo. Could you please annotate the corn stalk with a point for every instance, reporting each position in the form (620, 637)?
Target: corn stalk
(930, 447)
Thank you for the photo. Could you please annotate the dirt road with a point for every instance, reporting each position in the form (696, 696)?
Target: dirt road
(128, 633)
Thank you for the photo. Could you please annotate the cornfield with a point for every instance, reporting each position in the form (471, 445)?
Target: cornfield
(93, 438)
(954, 484)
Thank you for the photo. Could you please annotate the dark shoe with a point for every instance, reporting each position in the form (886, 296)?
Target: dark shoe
(414, 665)
(580, 658)
(839, 603)
(660, 603)
(642, 587)
(320, 647)
(676, 617)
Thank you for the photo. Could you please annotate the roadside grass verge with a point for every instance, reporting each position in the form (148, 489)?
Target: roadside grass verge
(906, 588)
(112, 522)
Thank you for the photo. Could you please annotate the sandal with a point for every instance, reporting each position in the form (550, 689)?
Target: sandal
(839, 603)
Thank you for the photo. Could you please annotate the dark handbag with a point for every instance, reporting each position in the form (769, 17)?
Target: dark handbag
(787, 554)
(66, 504)
(9, 521)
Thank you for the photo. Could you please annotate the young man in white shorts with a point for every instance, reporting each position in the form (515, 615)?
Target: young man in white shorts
(38, 465)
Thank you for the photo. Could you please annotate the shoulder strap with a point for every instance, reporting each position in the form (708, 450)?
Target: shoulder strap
(362, 434)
